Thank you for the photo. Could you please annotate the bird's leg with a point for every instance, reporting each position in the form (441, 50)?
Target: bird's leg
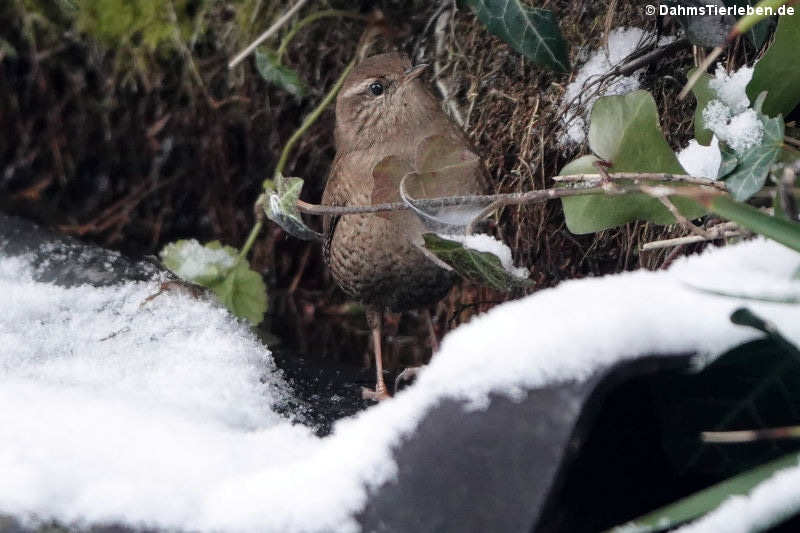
(411, 372)
(431, 331)
(374, 319)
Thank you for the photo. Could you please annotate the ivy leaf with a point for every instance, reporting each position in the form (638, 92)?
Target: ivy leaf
(202, 264)
(777, 71)
(281, 207)
(755, 162)
(531, 31)
(624, 130)
(481, 267)
(273, 71)
(702, 94)
(244, 293)
(729, 161)
(215, 266)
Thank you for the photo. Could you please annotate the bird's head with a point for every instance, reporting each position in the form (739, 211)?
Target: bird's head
(380, 95)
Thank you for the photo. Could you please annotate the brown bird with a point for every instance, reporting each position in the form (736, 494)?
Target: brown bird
(383, 109)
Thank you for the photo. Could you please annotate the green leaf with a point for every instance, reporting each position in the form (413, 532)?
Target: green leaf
(531, 31)
(624, 130)
(708, 499)
(745, 317)
(480, 267)
(202, 264)
(273, 71)
(779, 229)
(755, 162)
(215, 266)
(281, 207)
(777, 71)
(729, 161)
(244, 293)
(703, 94)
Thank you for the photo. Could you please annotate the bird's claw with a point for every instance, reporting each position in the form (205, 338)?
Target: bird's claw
(377, 395)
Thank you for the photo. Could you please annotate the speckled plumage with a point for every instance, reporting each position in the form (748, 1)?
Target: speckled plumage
(371, 256)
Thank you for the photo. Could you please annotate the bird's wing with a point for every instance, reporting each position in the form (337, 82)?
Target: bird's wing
(349, 183)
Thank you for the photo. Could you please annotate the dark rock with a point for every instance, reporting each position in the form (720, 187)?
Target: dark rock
(66, 261)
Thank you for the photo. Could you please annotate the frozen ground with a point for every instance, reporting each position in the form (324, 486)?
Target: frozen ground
(156, 414)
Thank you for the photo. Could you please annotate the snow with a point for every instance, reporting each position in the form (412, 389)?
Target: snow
(767, 505)
(621, 43)
(701, 161)
(731, 88)
(740, 131)
(194, 259)
(486, 243)
(155, 414)
(729, 115)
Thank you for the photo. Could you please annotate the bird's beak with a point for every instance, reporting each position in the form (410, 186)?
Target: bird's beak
(414, 72)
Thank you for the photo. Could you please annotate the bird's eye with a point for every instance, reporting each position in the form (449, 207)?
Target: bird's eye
(376, 88)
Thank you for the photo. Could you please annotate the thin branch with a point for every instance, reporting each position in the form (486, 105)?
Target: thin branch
(499, 200)
(725, 230)
(267, 34)
(682, 220)
(710, 58)
(642, 176)
(729, 437)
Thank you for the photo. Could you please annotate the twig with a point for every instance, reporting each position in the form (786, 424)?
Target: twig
(728, 229)
(642, 176)
(710, 58)
(499, 200)
(682, 220)
(729, 437)
(267, 34)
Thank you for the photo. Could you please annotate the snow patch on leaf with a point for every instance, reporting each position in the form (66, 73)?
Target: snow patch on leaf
(701, 161)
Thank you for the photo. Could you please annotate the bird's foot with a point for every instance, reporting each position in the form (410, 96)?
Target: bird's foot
(408, 374)
(378, 394)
